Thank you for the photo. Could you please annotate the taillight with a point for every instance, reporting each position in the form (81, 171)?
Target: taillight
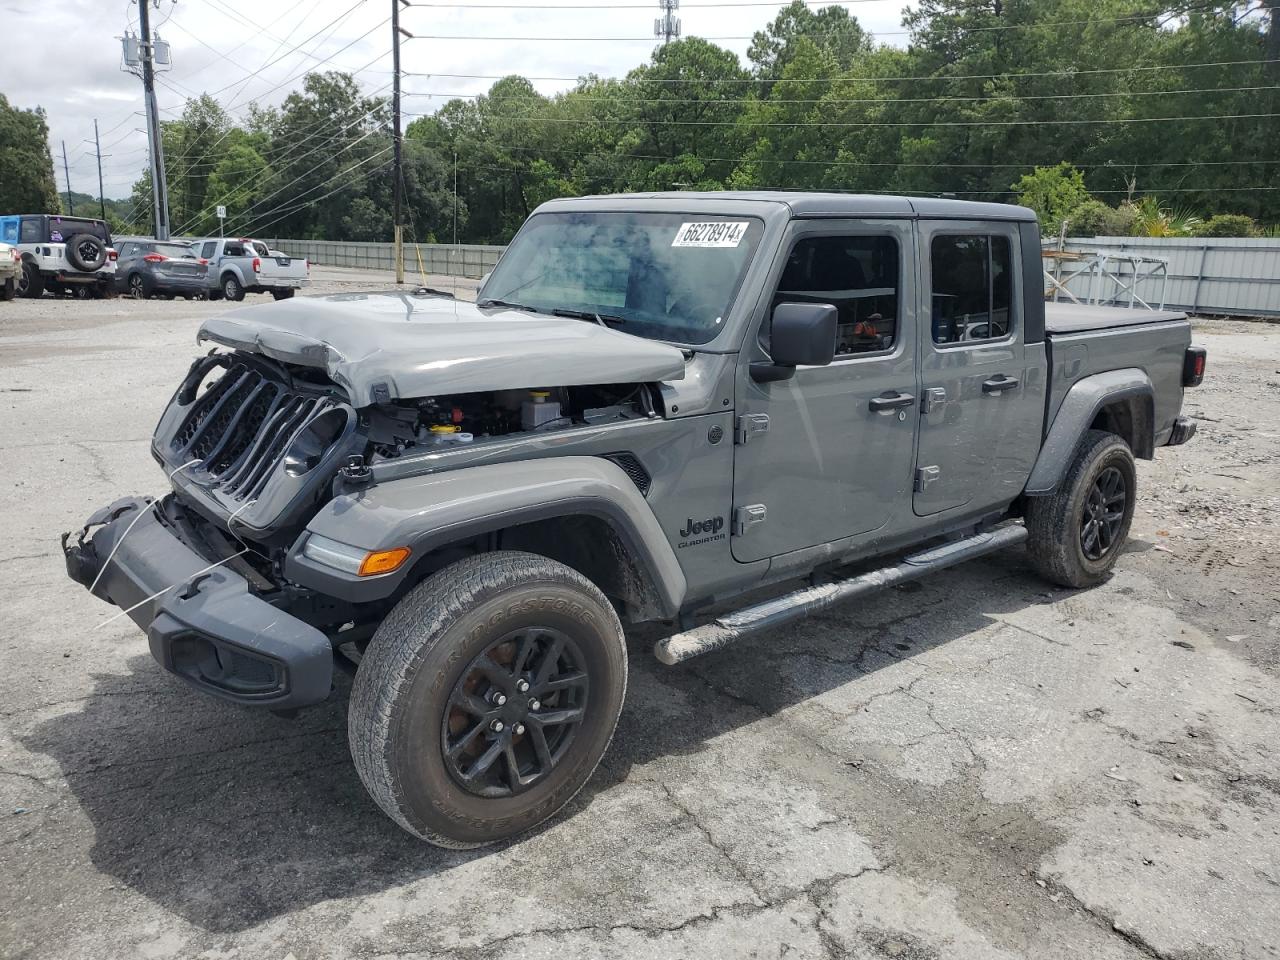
(204, 262)
(111, 254)
(155, 258)
(257, 265)
(1193, 367)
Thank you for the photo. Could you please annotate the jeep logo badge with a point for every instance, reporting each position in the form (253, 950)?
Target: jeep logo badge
(700, 531)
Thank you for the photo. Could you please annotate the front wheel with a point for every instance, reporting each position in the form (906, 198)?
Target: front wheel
(487, 697)
(1077, 534)
(10, 289)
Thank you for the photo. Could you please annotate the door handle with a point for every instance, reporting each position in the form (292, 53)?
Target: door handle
(999, 384)
(891, 402)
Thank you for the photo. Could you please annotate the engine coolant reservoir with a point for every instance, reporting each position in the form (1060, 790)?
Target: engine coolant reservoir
(538, 409)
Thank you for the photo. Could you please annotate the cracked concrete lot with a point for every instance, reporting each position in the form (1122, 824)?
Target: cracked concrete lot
(980, 766)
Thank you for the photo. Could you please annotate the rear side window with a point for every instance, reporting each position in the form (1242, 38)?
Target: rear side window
(856, 274)
(234, 250)
(207, 250)
(30, 232)
(972, 287)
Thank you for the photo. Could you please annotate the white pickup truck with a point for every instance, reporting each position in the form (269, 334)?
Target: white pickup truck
(239, 265)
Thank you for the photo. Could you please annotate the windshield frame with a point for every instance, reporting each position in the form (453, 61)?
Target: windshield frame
(769, 218)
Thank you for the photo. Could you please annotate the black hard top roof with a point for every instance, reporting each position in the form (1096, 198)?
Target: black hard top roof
(806, 204)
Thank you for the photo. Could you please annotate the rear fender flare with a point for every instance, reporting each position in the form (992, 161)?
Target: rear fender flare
(430, 512)
(1129, 389)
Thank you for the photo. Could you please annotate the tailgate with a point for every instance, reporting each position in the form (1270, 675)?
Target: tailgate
(282, 269)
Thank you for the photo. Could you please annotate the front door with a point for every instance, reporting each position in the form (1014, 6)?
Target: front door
(980, 425)
(828, 454)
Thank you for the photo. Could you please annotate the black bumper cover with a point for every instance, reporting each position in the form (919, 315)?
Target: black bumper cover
(204, 625)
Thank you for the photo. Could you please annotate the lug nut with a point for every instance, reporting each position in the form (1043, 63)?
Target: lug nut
(496, 726)
(522, 686)
(498, 699)
(518, 729)
(535, 705)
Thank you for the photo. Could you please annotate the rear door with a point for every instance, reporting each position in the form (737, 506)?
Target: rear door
(979, 425)
(827, 454)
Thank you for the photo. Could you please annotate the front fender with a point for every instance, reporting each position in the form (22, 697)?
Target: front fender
(432, 511)
(1080, 407)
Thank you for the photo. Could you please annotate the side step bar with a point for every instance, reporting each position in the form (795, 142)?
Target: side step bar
(792, 606)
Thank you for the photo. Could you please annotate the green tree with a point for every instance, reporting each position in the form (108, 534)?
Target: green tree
(27, 183)
(1052, 192)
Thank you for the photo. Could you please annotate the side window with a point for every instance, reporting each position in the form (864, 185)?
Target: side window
(207, 250)
(972, 287)
(30, 232)
(130, 250)
(859, 276)
(234, 250)
(9, 231)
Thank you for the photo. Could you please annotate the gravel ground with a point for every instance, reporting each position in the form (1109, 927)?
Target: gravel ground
(979, 766)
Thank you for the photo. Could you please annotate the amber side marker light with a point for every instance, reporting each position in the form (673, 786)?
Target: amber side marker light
(383, 561)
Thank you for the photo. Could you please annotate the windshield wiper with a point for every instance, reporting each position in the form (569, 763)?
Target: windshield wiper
(494, 302)
(601, 318)
(433, 292)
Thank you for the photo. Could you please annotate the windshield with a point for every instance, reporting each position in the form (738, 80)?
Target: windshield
(667, 276)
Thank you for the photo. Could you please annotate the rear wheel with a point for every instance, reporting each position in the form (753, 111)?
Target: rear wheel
(283, 294)
(30, 284)
(231, 288)
(1078, 533)
(81, 291)
(487, 697)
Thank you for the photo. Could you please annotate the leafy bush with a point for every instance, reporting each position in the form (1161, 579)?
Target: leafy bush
(1154, 220)
(1228, 225)
(1093, 218)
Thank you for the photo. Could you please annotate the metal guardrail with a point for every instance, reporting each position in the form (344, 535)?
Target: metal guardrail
(454, 260)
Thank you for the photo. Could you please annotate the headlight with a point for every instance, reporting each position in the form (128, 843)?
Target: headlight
(353, 560)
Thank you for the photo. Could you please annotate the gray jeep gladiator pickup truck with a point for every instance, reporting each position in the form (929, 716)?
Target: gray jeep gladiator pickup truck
(657, 403)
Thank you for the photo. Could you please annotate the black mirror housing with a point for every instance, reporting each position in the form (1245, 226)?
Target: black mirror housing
(803, 334)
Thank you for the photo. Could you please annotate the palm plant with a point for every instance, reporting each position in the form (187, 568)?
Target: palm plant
(1151, 219)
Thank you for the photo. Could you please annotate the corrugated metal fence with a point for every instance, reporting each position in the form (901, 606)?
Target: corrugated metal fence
(1221, 276)
(460, 260)
(1211, 275)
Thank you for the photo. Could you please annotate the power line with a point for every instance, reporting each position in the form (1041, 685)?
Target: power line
(913, 79)
(877, 123)
(298, 206)
(837, 100)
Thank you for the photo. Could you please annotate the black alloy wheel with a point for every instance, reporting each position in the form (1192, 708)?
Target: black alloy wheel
(137, 287)
(514, 712)
(1103, 514)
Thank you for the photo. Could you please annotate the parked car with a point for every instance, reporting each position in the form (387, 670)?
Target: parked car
(62, 254)
(10, 271)
(155, 267)
(660, 402)
(240, 266)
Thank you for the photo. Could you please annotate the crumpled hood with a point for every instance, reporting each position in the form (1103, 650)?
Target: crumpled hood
(381, 346)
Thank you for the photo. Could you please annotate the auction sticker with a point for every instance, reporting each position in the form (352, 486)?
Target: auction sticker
(713, 233)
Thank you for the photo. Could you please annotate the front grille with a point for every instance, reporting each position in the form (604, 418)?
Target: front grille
(240, 428)
(634, 469)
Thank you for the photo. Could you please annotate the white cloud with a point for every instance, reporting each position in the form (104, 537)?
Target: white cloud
(71, 64)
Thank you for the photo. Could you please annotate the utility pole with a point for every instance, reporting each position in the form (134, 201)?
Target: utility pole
(159, 186)
(66, 170)
(97, 148)
(455, 198)
(397, 175)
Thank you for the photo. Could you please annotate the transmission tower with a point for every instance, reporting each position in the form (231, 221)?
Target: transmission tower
(667, 25)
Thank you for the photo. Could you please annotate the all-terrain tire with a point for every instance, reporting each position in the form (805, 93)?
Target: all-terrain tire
(399, 720)
(1057, 523)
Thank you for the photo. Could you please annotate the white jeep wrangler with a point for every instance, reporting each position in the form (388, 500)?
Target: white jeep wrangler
(62, 255)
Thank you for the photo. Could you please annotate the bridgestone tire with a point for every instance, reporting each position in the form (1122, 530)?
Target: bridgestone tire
(1055, 522)
(86, 252)
(424, 648)
(10, 289)
(32, 284)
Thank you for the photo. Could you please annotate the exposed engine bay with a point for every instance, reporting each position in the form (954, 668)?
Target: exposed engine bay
(434, 423)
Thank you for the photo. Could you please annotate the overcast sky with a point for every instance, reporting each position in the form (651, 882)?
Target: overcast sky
(245, 50)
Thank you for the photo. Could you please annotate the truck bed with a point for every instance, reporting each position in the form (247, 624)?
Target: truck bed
(1080, 317)
(1084, 340)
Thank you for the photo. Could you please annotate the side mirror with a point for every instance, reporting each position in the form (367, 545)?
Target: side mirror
(483, 281)
(801, 335)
